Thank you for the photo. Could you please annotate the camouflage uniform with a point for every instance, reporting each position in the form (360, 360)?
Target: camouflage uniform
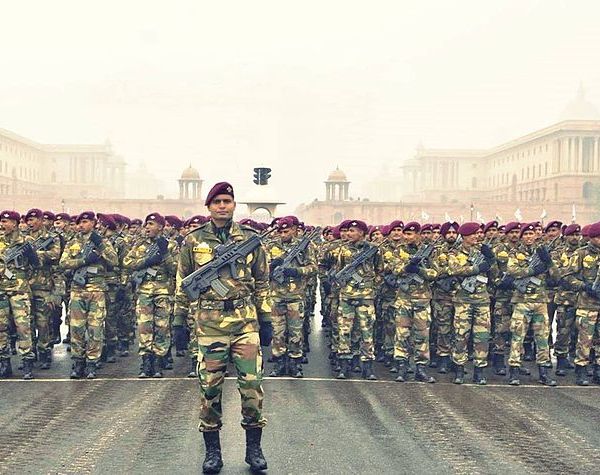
(87, 309)
(113, 292)
(471, 309)
(566, 301)
(387, 295)
(227, 327)
(327, 265)
(442, 304)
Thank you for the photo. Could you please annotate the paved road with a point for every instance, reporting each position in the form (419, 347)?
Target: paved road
(118, 423)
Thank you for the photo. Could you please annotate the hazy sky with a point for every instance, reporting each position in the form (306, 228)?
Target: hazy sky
(299, 86)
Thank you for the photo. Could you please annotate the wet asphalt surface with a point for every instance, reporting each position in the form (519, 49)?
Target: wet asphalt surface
(121, 424)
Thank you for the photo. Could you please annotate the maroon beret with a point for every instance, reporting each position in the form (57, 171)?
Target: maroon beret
(34, 213)
(427, 227)
(73, 219)
(301, 225)
(134, 221)
(198, 219)
(156, 217)
(285, 223)
(174, 221)
(107, 220)
(537, 224)
(491, 224)
(528, 227)
(373, 229)
(512, 226)
(336, 232)
(49, 215)
(502, 228)
(9, 214)
(412, 226)
(357, 223)
(385, 230)
(468, 229)
(326, 230)
(62, 217)
(594, 230)
(571, 229)
(345, 224)
(85, 215)
(295, 221)
(221, 188)
(396, 224)
(552, 224)
(447, 226)
(585, 231)
(436, 227)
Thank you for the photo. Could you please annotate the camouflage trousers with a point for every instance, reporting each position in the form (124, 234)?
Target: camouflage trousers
(126, 316)
(443, 318)
(502, 316)
(153, 314)
(87, 312)
(588, 325)
(357, 314)
(565, 321)
(334, 309)
(311, 297)
(288, 335)
(191, 325)
(471, 318)
(214, 353)
(413, 320)
(388, 314)
(523, 315)
(41, 312)
(111, 321)
(16, 306)
(324, 303)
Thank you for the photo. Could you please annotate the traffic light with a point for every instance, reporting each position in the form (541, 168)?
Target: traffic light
(261, 175)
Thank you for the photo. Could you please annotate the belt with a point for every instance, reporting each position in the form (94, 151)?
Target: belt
(226, 305)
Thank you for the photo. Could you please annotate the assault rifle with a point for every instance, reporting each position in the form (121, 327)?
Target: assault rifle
(14, 256)
(349, 272)
(137, 277)
(79, 276)
(403, 283)
(41, 244)
(293, 255)
(470, 283)
(226, 255)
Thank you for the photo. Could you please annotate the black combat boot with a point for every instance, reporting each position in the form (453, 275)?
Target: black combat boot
(124, 349)
(402, 367)
(459, 377)
(498, 364)
(367, 371)
(545, 377)
(444, 365)
(168, 359)
(356, 368)
(380, 356)
(77, 369)
(279, 369)
(91, 369)
(332, 357)
(345, 367)
(479, 376)
(146, 367)
(45, 359)
(337, 367)
(5, 368)
(254, 454)
(304, 359)
(28, 369)
(581, 377)
(513, 376)
(193, 368)
(433, 358)
(595, 377)
(389, 359)
(562, 365)
(67, 339)
(110, 353)
(213, 462)
(421, 375)
(295, 368)
(157, 367)
(395, 366)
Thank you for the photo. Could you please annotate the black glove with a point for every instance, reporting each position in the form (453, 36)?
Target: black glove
(544, 255)
(276, 262)
(487, 252)
(265, 333)
(153, 259)
(91, 258)
(120, 293)
(588, 288)
(326, 286)
(291, 272)
(96, 239)
(163, 245)
(539, 268)
(411, 268)
(32, 257)
(483, 267)
(179, 239)
(180, 337)
(506, 283)
(415, 261)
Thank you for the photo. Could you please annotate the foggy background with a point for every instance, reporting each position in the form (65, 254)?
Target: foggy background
(298, 86)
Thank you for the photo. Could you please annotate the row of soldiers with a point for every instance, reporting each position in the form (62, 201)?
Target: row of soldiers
(464, 292)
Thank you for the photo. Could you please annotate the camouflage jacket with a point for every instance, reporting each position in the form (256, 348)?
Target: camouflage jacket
(14, 277)
(583, 269)
(460, 264)
(502, 252)
(156, 280)
(328, 261)
(95, 276)
(251, 280)
(389, 251)
(114, 274)
(518, 267)
(417, 289)
(562, 260)
(371, 272)
(42, 277)
(293, 288)
(439, 259)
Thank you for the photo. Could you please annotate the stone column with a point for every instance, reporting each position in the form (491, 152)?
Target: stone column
(595, 160)
(579, 167)
(180, 190)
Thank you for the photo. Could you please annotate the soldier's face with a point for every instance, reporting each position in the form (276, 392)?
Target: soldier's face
(35, 224)
(472, 239)
(152, 229)
(410, 237)
(60, 224)
(355, 234)
(134, 228)
(529, 237)
(595, 241)
(426, 235)
(573, 239)
(552, 233)
(344, 234)
(193, 226)
(376, 236)
(479, 235)
(86, 225)
(287, 234)
(221, 208)
(491, 233)
(47, 223)
(451, 235)
(435, 235)
(513, 236)
(329, 237)
(396, 234)
(8, 225)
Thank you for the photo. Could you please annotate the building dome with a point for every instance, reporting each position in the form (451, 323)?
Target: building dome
(580, 109)
(337, 175)
(190, 173)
